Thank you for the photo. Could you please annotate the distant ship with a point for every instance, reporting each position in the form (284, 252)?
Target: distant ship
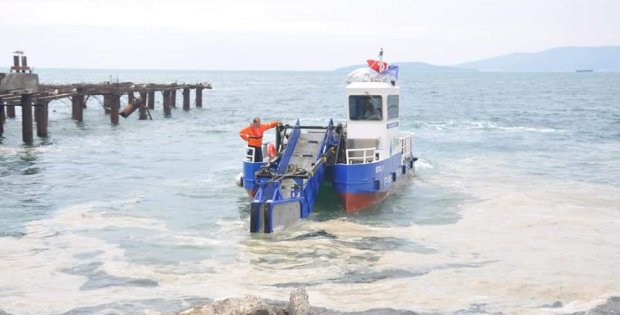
(584, 70)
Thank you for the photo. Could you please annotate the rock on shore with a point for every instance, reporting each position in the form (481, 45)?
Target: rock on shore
(251, 305)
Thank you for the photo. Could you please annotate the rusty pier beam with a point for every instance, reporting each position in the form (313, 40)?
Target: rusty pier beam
(41, 117)
(151, 99)
(186, 99)
(131, 105)
(26, 102)
(166, 94)
(199, 96)
(129, 109)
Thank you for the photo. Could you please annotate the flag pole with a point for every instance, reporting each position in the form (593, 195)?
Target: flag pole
(381, 60)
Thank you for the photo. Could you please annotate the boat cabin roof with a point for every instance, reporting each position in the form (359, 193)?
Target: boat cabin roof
(375, 87)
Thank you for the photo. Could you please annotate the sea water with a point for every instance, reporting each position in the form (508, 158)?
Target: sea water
(515, 208)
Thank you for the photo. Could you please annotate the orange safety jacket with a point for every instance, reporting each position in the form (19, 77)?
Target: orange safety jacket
(254, 135)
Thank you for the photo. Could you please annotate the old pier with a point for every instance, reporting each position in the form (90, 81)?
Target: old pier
(21, 88)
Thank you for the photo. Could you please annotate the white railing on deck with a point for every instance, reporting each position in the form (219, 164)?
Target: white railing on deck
(405, 144)
(358, 156)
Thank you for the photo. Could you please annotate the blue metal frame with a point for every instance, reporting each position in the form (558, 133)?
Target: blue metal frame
(290, 148)
(268, 194)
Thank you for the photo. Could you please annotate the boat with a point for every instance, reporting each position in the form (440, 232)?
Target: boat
(363, 157)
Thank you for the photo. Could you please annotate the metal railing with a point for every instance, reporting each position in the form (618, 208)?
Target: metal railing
(359, 156)
(405, 144)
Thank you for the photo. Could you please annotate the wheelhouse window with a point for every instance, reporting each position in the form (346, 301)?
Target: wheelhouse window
(392, 106)
(365, 107)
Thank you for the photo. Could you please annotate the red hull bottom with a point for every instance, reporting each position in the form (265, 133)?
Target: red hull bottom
(358, 202)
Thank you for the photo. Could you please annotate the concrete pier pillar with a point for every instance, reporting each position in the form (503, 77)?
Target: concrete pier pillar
(74, 104)
(142, 113)
(77, 106)
(115, 105)
(199, 96)
(107, 103)
(186, 99)
(41, 118)
(142, 106)
(151, 99)
(2, 117)
(26, 100)
(37, 113)
(10, 111)
(173, 98)
(167, 103)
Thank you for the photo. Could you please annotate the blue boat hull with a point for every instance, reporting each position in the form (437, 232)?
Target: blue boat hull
(363, 185)
(358, 185)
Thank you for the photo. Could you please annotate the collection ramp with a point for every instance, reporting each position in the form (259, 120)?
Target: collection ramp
(288, 187)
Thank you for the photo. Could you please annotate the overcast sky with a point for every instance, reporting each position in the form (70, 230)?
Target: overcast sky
(293, 34)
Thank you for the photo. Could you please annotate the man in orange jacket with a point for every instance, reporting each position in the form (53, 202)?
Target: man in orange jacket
(253, 134)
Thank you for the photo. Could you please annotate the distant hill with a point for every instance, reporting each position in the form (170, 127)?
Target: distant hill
(412, 67)
(564, 59)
